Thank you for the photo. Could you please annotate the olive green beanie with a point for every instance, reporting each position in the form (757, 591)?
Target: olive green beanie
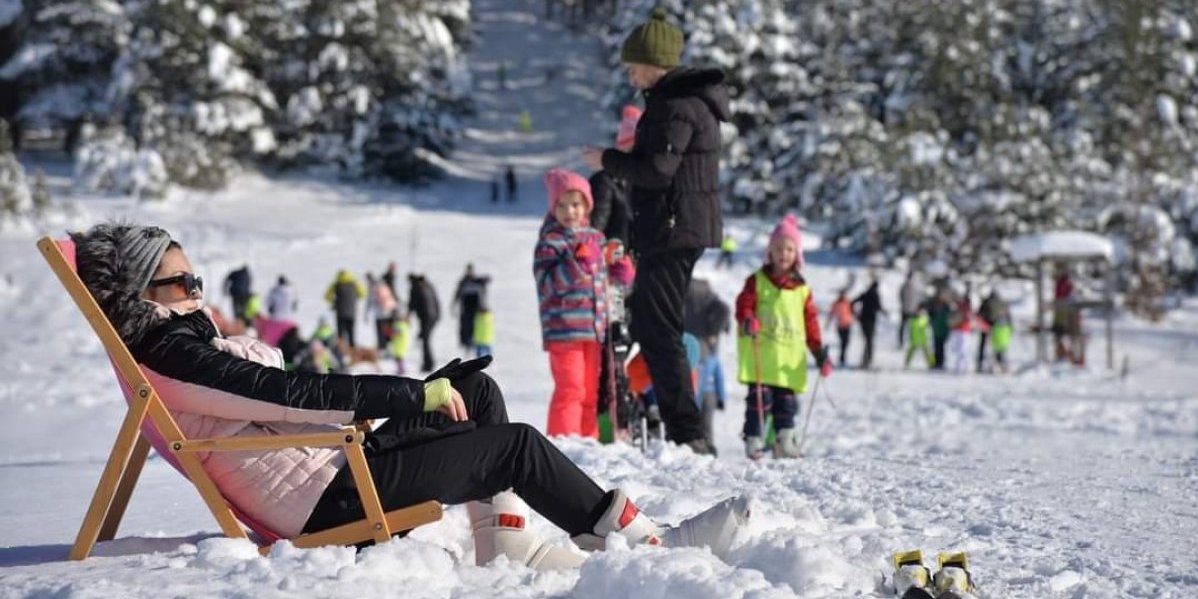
(656, 43)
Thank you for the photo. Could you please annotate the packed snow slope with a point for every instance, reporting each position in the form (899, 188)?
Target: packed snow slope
(1059, 482)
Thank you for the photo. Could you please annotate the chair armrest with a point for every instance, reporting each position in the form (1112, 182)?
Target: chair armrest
(345, 437)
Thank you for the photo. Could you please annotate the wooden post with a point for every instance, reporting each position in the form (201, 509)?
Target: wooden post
(1110, 315)
(1040, 349)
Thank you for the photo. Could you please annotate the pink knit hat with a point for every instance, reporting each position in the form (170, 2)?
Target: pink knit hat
(559, 180)
(626, 135)
(788, 228)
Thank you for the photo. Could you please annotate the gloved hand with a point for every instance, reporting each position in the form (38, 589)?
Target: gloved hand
(440, 396)
(457, 369)
(823, 362)
(622, 272)
(588, 254)
(751, 326)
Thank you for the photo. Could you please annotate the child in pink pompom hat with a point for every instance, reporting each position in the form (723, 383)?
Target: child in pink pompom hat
(571, 276)
(787, 230)
(779, 327)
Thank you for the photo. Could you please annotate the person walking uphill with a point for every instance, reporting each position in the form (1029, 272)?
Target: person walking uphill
(447, 438)
(673, 168)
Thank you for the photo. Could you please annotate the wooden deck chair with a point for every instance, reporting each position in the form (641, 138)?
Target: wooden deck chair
(148, 423)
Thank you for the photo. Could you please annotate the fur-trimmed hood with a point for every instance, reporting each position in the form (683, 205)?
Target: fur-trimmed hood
(103, 270)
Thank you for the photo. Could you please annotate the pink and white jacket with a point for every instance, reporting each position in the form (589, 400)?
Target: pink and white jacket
(236, 387)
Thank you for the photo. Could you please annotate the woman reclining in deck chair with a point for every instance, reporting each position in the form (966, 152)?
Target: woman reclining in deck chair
(447, 438)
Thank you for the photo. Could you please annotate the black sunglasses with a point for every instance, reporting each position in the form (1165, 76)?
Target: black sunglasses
(190, 282)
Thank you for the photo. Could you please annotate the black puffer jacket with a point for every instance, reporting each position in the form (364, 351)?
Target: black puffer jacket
(181, 348)
(675, 165)
(610, 214)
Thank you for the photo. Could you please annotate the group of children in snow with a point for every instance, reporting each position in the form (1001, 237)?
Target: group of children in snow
(334, 350)
(948, 315)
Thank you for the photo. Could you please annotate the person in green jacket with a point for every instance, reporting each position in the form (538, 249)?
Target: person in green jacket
(917, 340)
(940, 312)
(1000, 339)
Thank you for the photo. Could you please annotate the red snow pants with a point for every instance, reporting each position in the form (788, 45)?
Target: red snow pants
(574, 407)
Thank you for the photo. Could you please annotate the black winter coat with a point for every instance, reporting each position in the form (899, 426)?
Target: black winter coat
(422, 300)
(869, 304)
(181, 348)
(610, 213)
(674, 167)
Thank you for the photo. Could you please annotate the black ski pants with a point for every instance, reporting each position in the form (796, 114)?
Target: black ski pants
(468, 466)
(868, 327)
(656, 309)
(426, 345)
(938, 342)
(845, 333)
(345, 329)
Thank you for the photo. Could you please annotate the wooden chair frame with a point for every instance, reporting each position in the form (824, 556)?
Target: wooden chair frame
(146, 408)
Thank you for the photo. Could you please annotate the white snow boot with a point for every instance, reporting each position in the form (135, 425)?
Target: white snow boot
(498, 525)
(624, 518)
(714, 528)
(754, 448)
(786, 443)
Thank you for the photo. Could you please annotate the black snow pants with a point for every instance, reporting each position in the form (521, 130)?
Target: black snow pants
(434, 462)
(656, 307)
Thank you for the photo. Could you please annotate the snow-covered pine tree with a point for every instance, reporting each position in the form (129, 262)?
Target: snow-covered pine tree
(182, 89)
(15, 200)
(366, 85)
(63, 67)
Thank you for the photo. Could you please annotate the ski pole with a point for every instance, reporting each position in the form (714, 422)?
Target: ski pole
(828, 396)
(760, 391)
(807, 418)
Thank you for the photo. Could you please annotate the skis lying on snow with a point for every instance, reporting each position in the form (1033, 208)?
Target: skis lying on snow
(913, 580)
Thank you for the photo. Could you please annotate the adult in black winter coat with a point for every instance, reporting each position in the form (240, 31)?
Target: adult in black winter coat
(868, 305)
(673, 169)
(468, 299)
(422, 301)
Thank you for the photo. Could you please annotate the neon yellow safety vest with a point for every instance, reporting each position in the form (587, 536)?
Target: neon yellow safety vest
(1000, 336)
(783, 338)
(400, 336)
(253, 307)
(484, 328)
(919, 330)
(728, 245)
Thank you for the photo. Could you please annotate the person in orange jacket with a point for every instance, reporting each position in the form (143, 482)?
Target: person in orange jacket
(841, 313)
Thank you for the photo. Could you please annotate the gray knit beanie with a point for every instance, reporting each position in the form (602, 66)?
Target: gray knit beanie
(141, 249)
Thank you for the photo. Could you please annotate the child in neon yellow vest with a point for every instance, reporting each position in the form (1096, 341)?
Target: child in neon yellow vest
(401, 335)
(779, 324)
(484, 331)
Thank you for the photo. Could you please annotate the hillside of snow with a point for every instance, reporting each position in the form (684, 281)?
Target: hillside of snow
(1059, 482)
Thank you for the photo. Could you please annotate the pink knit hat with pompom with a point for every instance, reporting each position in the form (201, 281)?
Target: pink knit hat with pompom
(559, 180)
(788, 228)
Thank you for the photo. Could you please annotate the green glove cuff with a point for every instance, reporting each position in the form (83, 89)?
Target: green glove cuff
(437, 393)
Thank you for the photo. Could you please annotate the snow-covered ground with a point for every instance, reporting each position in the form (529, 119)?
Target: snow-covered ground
(1059, 482)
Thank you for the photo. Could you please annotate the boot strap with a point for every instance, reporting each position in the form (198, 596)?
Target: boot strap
(514, 521)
